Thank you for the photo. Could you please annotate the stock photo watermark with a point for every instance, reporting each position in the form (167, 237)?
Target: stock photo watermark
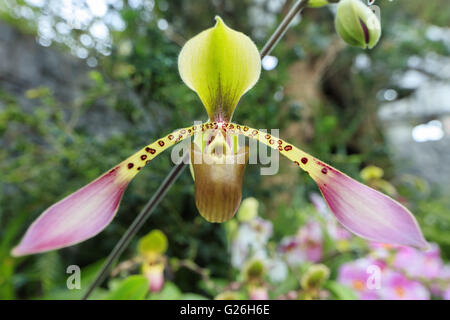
(218, 147)
(74, 280)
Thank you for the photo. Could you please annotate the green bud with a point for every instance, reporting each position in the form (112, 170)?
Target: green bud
(154, 242)
(248, 209)
(371, 173)
(254, 270)
(315, 277)
(357, 24)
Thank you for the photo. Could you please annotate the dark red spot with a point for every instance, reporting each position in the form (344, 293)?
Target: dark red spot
(288, 148)
(271, 141)
(255, 132)
(139, 168)
(161, 143)
(365, 30)
(245, 128)
(231, 126)
(189, 130)
(238, 127)
(194, 128)
(143, 157)
(280, 142)
(280, 148)
(304, 160)
(267, 136)
(170, 137)
(130, 165)
(296, 163)
(324, 170)
(150, 150)
(146, 162)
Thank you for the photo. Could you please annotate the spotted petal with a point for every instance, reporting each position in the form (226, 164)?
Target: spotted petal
(86, 212)
(366, 212)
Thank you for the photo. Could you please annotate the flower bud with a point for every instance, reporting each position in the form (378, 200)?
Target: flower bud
(248, 209)
(254, 271)
(357, 24)
(315, 276)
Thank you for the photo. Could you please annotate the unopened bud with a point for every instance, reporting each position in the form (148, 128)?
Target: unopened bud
(357, 24)
(315, 276)
(248, 210)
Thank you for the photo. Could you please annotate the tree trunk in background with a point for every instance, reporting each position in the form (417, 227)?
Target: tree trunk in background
(303, 88)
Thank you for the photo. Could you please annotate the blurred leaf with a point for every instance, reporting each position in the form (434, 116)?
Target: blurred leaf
(132, 288)
(339, 291)
(169, 292)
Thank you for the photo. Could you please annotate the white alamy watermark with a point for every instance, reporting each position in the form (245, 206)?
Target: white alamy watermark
(74, 280)
(228, 149)
(374, 280)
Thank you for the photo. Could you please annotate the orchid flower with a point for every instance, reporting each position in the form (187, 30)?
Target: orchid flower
(220, 65)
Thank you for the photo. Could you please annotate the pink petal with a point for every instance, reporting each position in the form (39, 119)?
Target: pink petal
(78, 217)
(366, 212)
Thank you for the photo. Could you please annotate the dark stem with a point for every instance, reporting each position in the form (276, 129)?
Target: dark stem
(176, 171)
(284, 25)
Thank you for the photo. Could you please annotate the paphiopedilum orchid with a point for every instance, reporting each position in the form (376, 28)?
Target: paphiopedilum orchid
(220, 65)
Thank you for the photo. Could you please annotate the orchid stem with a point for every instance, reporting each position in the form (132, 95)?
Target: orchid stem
(282, 28)
(176, 171)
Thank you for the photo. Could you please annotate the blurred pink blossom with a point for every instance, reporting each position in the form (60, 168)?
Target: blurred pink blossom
(258, 293)
(310, 239)
(355, 275)
(418, 263)
(396, 286)
(155, 277)
(306, 245)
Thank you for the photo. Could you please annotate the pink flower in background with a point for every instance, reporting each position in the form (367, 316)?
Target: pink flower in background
(291, 250)
(305, 246)
(258, 293)
(417, 263)
(444, 289)
(381, 251)
(310, 240)
(356, 275)
(396, 286)
(446, 295)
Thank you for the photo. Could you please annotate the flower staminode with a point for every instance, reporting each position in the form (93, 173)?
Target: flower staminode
(220, 65)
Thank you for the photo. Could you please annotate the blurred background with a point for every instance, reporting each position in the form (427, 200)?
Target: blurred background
(86, 83)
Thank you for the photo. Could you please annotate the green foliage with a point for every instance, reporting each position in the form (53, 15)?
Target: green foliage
(131, 288)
